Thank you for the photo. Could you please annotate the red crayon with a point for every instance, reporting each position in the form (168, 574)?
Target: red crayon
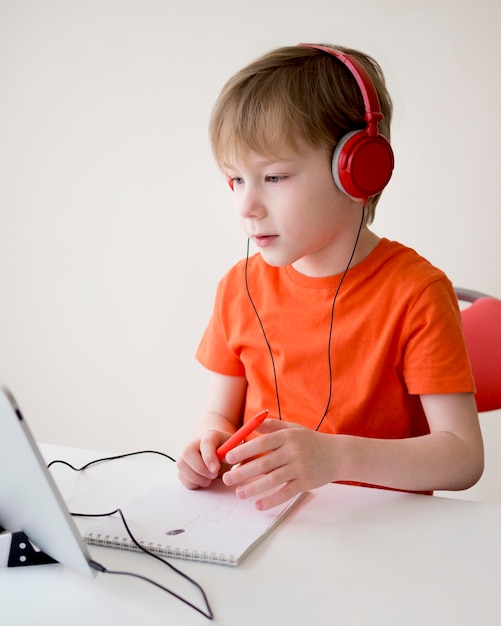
(241, 434)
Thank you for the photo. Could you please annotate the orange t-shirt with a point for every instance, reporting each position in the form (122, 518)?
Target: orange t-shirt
(396, 334)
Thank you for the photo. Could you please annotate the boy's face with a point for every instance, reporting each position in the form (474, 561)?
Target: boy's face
(292, 210)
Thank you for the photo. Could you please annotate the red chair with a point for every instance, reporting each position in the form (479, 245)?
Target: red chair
(482, 331)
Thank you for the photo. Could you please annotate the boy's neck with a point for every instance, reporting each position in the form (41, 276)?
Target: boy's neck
(336, 263)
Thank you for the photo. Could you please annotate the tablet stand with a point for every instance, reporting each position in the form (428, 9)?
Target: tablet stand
(16, 550)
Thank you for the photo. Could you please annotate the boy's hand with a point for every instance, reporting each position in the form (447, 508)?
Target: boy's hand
(289, 459)
(198, 465)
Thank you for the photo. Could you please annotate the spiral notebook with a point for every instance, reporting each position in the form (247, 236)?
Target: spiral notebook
(210, 525)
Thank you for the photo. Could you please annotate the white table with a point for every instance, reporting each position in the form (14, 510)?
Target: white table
(347, 556)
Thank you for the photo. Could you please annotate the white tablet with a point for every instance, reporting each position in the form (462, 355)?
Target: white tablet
(30, 501)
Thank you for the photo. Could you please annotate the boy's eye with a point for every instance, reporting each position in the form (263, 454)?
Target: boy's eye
(237, 180)
(275, 178)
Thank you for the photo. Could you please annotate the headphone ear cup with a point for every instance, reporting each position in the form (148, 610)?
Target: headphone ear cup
(362, 165)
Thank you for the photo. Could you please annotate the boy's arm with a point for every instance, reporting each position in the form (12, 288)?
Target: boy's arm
(198, 465)
(450, 457)
(224, 405)
(298, 459)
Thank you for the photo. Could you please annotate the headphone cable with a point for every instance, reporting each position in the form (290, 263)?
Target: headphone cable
(331, 324)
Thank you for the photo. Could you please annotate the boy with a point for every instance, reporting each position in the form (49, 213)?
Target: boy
(352, 342)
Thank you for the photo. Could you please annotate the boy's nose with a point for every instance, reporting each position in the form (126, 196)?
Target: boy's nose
(251, 205)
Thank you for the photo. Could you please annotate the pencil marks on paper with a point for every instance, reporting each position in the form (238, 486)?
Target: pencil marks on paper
(215, 516)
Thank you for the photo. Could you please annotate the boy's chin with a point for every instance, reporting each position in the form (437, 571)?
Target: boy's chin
(274, 260)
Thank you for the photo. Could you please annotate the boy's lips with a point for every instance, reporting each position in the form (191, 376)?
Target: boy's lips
(264, 240)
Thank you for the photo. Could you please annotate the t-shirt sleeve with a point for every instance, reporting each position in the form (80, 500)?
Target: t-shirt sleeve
(214, 352)
(436, 358)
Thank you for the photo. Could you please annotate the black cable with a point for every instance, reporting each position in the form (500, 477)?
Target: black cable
(329, 357)
(100, 568)
(208, 615)
(263, 331)
(110, 458)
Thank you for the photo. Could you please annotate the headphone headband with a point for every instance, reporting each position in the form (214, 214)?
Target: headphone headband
(372, 106)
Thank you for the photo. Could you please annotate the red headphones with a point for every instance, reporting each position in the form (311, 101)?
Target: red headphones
(363, 160)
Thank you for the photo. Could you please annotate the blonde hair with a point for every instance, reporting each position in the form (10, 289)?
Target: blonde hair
(294, 93)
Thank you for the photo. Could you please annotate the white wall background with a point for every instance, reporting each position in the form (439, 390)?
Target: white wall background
(115, 224)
